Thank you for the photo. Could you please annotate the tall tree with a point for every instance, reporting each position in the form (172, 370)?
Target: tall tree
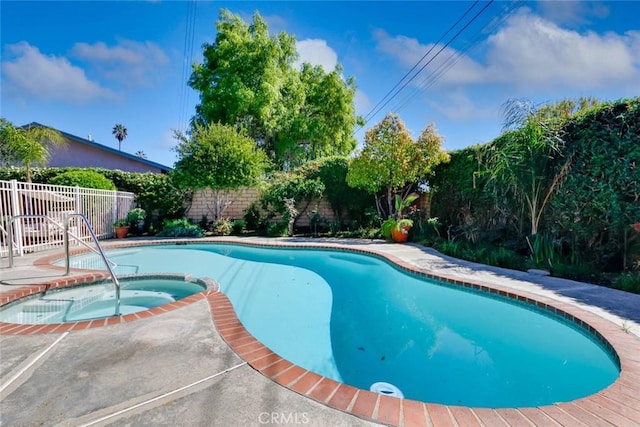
(248, 79)
(392, 163)
(27, 146)
(218, 157)
(325, 120)
(141, 154)
(120, 132)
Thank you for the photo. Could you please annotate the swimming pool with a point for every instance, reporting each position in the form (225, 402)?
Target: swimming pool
(97, 299)
(359, 320)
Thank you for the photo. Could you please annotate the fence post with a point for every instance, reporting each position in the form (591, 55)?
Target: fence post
(15, 210)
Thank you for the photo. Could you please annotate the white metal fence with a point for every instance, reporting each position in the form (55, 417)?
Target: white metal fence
(101, 207)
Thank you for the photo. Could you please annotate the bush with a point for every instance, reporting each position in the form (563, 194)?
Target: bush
(629, 282)
(83, 178)
(180, 228)
(238, 226)
(278, 229)
(222, 227)
(253, 217)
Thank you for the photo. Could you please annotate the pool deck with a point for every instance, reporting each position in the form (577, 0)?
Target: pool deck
(192, 363)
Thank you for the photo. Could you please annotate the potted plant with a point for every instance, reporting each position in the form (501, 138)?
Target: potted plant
(121, 228)
(136, 218)
(397, 228)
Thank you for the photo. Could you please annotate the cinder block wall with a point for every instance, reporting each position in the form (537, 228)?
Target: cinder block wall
(202, 204)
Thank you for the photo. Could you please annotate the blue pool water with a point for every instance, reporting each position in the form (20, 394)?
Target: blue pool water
(358, 320)
(96, 301)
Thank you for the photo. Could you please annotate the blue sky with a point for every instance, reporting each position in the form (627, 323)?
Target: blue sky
(84, 66)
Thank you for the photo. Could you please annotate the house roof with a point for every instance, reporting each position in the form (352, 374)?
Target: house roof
(81, 140)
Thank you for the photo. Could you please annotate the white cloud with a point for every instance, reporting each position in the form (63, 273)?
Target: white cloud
(316, 52)
(130, 62)
(572, 12)
(533, 53)
(46, 77)
(410, 52)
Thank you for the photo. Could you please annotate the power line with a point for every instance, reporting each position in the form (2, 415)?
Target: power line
(456, 56)
(455, 36)
(381, 104)
(367, 117)
(187, 56)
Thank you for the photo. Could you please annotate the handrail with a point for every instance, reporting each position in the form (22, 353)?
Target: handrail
(82, 242)
(116, 283)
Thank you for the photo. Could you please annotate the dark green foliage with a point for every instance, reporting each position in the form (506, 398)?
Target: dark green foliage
(344, 200)
(484, 254)
(83, 178)
(629, 282)
(460, 202)
(253, 217)
(180, 228)
(600, 197)
(588, 215)
(238, 226)
(289, 186)
(278, 229)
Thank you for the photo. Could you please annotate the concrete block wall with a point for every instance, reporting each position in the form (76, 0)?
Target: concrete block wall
(203, 203)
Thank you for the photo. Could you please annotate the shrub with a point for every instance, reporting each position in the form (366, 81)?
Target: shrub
(253, 217)
(629, 281)
(238, 226)
(180, 228)
(222, 227)
(505, 258)
(83, 178)
(278, 229)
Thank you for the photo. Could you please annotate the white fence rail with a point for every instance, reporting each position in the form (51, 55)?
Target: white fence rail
(101, 207)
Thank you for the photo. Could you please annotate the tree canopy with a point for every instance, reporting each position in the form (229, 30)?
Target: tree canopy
(26, 146)
(248, 79)
(392, 162)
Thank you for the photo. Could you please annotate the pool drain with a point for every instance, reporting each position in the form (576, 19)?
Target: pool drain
(386, 389)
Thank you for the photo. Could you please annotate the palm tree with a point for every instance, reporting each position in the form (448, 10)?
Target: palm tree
(120, 133)
(28, 145)
(141, 154)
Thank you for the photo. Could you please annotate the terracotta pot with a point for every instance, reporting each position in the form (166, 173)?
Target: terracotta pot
(400, 235)
(121, 232)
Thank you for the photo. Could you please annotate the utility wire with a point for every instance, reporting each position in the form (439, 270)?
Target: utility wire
(368, 116)
(456, 56)
(455, 36)
(187, 56)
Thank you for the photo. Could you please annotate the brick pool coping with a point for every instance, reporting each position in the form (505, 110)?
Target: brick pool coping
(618, 404)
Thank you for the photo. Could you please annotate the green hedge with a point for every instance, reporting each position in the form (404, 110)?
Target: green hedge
(588, 218)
